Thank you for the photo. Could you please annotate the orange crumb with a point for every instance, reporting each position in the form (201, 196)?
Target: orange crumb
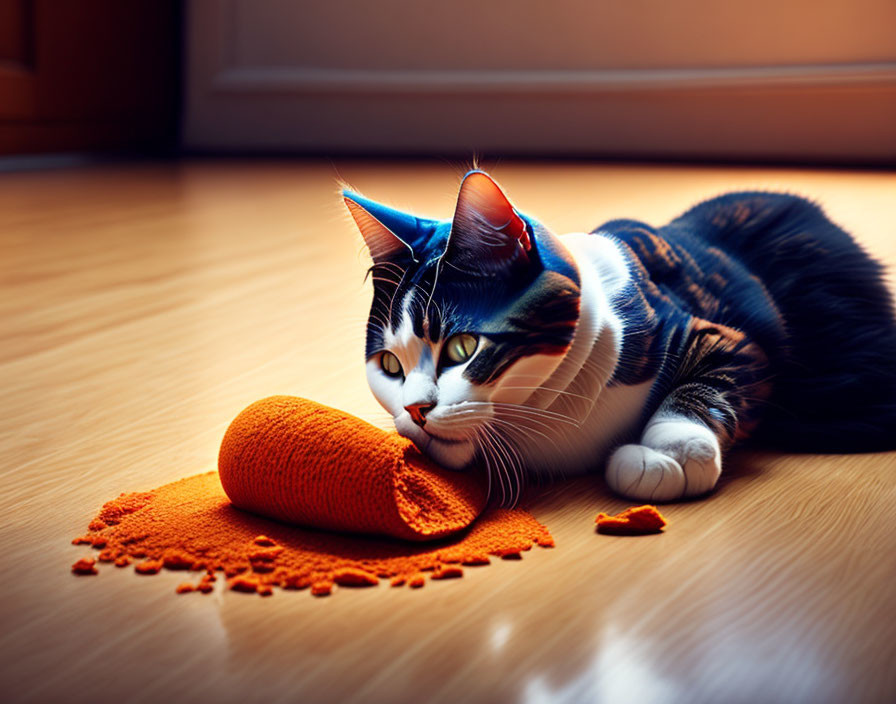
(185, 588)
(321, 588)
(122, 561)
(84, 566)
(476, 560)
(416, 581)
(177, 560)
(149, 567)
(241, 583)
(352, 577)
(447, 572)
(639, 520)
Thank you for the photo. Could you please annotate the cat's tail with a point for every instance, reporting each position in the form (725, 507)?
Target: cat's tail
(836, 390)
(841, 398)
(871, 428)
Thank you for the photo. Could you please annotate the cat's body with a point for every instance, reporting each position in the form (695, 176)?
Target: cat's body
(644, 351)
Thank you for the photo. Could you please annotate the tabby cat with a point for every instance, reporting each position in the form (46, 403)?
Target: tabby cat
(647, 352)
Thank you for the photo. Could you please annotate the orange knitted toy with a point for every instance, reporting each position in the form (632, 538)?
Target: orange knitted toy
(302, 462)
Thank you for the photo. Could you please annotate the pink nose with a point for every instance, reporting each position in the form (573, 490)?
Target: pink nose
(418, 412)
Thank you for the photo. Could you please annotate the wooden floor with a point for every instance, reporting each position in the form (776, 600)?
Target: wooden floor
(144, 306)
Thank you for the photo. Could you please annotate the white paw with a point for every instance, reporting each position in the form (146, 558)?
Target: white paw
(692, 445)
(642, 473)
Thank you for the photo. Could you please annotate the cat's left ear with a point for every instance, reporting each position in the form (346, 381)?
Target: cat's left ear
(487, 231)
(388, 233)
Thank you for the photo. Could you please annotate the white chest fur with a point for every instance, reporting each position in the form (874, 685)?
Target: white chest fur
(584, 418)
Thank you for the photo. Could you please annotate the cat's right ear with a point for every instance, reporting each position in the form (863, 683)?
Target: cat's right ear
(378, 225)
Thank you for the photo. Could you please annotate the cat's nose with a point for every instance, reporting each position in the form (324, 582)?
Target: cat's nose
(418, 412)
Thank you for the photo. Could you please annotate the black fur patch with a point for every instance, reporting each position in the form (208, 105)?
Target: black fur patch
(755, 307)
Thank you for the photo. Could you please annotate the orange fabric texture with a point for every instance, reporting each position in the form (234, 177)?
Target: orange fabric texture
(639, 520)
(320, 467)
(302, 462)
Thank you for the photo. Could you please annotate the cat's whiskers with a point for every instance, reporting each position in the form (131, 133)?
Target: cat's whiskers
(522, 432)
(508, 413)
(501, 470)
(493, 467)
(477, 440)
(512, 415)
(517, 424)
(547, 388)
(388, 265)
(507, 483)
(379, 327)
(542, 412)
(518, 427)
(384, 280)
(512, 466)
(535, 414)
(513, 456)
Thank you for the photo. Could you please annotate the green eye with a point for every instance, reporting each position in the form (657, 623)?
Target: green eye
(390, 364)
(459, 348)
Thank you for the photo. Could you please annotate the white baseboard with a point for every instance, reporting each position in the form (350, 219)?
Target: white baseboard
(297, 80)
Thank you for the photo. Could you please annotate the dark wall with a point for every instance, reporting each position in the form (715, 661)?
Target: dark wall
(91, 75)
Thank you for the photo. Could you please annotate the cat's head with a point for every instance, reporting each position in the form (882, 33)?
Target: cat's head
(470, 315)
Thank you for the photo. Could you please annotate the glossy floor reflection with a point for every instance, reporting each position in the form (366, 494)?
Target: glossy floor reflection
(144, 306)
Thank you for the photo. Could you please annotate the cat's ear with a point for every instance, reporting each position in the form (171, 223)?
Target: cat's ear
(380, 226)
(487, 232)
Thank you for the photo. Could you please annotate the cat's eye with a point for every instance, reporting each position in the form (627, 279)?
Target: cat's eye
(390, 364)
(459, 348)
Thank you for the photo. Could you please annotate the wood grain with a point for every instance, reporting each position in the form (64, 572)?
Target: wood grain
(144, 306)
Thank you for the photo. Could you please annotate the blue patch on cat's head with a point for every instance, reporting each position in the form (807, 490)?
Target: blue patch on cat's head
(490, 271)
(423, 237)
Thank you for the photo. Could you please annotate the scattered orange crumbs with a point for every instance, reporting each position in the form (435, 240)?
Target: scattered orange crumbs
(191, 525)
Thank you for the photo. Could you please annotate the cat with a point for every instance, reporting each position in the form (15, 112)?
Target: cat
(646, 352)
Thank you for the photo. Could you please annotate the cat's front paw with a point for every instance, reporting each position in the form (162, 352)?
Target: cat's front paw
(642, 473)
(693, 446)
(678, 458)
